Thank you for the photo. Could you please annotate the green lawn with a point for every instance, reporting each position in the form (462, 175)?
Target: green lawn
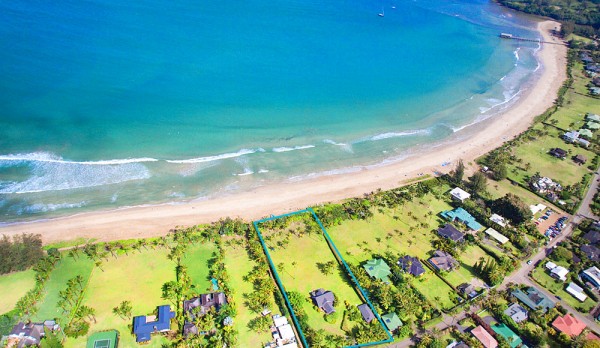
(66, 269)
(13, 286)
(435, 290)
(238, 265)
(535, 152)
(497, 189)
(557, 288)
(297, 267)
(137, 277)
(197, 259)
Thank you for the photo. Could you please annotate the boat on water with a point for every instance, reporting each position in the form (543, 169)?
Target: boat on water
(382, 13)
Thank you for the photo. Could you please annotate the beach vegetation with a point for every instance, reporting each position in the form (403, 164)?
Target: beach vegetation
(19, 252)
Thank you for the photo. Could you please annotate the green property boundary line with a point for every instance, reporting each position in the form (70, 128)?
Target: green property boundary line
(339, 256)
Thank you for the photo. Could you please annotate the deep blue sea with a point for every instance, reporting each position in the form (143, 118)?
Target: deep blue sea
(106, 104)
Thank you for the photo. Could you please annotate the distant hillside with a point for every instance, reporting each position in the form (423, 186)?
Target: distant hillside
(578, 16)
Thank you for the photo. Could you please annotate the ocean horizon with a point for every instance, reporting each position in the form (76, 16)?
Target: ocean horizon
(115, 105)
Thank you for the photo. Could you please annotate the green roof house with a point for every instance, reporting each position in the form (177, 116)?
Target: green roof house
(508, 334)
(392, 321)
(593, 117)
(593, 125)
(378, 269)
(586, 133)
(104, 339)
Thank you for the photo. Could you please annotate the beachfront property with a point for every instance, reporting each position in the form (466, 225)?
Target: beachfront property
(576, 291)
(592, 125)
(584, 132)
(323, 300)
(591, 251)
(487, 340)
(378, 269)
(366, 313)
(557, 272)
(568, 325)
(450, 232)
(591, 276)
(199, 306)
(411, 265)
(558, 153)
(576, 137)
(28, 334)
(499, 237)
(509, 335)
(462, 216)
(459, 194)
(534, 299)
(283, 333)
(145, 326)
(500, 220)
(592, 117)
(442, 261)
(104, 339)
(516, 313)
(391, 321)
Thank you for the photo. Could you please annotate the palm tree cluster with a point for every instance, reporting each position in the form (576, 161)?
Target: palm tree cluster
(69, 301)
(26, 307)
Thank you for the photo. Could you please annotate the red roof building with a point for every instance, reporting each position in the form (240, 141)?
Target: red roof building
(484, 337)
(568, 325)
(592, 337)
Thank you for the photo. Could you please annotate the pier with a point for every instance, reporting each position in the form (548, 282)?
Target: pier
(512, 37)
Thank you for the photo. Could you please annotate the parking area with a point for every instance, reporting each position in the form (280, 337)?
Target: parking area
(550, 223)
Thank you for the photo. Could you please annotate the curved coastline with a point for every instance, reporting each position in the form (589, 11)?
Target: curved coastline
(468, 144)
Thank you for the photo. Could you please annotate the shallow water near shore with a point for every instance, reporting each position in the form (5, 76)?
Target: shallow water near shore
(106, 106)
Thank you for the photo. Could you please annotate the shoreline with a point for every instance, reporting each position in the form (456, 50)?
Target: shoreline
(468, 144)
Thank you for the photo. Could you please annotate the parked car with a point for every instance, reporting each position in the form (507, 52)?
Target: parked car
(529, 262)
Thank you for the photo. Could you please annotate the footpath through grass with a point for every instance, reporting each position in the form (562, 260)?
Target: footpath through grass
(13, 286)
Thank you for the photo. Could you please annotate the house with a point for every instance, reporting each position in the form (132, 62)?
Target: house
(442, 261)
(498, 219)
(366, 312)
(537, 208)
(584, 132)
(576, 291)
(450, 232)
(568, 325)
(499, 237)
(534, 299)
(283, 333)
(516, 312)
(463, 216)
(543, 185)
(558, 152)
(103, 339)
(198, 306)
(592, 276)
(143, 327)
(455, 344)
(585, 58)
(571, 136)
(467, 289)
(592, 236)
(591, 124)
(557, 272)
(509, 335)
(411, 265)
(484, 337)
(324, 300)
(26, 334)
(391, 321)
(459, 194)
(378, 269)
(594, 91)
(584, 142)
(592, 252)
(592, 117)
(579, 159)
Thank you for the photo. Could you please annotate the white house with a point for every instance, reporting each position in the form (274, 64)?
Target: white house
(459, 194)
(498, 219)
(592, 276)
(559, 272)
(499, 237)
(576, 291)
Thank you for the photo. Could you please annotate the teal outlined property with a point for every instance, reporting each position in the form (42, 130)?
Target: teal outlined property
(356, 286)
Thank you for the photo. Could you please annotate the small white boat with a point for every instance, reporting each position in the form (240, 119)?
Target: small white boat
(382, 13)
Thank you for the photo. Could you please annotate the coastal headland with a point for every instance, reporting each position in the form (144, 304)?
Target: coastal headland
(468, 144)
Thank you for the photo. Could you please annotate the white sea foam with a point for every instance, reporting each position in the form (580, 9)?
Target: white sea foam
(262, 171)
(44, 208)
(516, 53)
(286, 148)
(239, 153)
(114, 198)
(246, 172)
(390, 135)
(326, 173)
(329, 141)
(51, 158)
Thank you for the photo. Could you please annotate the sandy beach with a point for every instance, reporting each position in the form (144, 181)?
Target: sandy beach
(280, 198)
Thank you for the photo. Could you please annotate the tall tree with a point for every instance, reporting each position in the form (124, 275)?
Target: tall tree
(459, 171)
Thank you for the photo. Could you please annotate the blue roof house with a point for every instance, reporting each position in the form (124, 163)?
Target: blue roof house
(143, 329)
(461, 215)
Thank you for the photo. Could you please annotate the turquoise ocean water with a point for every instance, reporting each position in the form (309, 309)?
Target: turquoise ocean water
(107, 105)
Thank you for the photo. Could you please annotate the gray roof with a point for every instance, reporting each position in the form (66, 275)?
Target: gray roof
(516, 312)
(324, 300)
(30, 333)
(450, 232)
(443, 261)
(592, 236)
(411, 265)
(592, 252)
(366, 312)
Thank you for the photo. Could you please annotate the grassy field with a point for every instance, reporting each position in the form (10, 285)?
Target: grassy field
(577, 103)
(66, 269)
(557, 288)
(13, 286)
(497, 189)
(138, 278)
(297, 267)
(535, 153)
(435, 290)
(197, 260)
(239, 265)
